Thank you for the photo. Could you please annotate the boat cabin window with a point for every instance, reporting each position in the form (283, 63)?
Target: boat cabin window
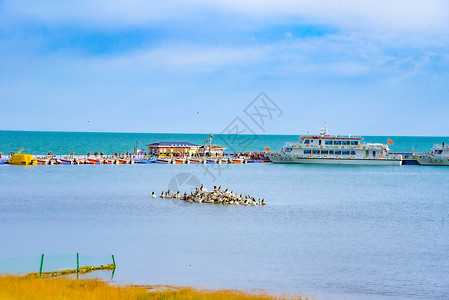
(324, 152)
(307, 142)
(354, 143)
(345, 142)
(345, 152)
(438, 151)
(316, 151)
(352, 152)
(319, 142)
(331, 152)
(307, 151)
(337, 142)
(328, 142)
(288, 149)
(338, 152)
(374, 153)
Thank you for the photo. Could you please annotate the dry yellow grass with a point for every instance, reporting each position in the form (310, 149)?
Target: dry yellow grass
(15, 287)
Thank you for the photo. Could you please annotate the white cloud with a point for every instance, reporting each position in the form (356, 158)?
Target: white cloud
(186, 58)
(397, 15)
(383, 14)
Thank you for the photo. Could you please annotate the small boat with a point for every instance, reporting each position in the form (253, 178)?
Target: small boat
(211, 161)
(43, 161)
(237, 160)
(179, 161)
(439, 156)
(223, 160)
(195, 160)
(66, 160)
(164, 160)
(20, 159)
(123, 161)
(145, 161)
(109, 161)
(80, 161)
(94, 161)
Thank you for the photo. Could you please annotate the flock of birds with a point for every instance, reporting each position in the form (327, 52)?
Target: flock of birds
(217, 196)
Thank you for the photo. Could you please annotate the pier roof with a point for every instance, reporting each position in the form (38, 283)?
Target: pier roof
(172, 144)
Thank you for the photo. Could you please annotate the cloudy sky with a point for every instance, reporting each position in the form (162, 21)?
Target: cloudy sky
(364, 67)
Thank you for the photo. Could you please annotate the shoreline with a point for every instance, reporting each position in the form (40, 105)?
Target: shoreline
(35, 287)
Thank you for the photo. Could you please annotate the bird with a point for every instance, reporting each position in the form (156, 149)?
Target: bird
(153, 195)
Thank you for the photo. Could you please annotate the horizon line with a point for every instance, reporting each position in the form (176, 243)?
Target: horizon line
(265, 134)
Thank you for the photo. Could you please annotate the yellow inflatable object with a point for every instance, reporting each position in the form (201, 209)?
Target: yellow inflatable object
(22, 159)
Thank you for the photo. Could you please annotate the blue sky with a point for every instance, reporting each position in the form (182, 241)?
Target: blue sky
(364, 67)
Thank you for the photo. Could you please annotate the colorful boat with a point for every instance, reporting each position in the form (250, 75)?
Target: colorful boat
(20, 159)
(337, 150)
(94, 161)
(237, 160)
(179, 161)
(109, 161)
(145, 161)
(164, 160)
(80, 161)
(223, 160)
(66, 160)
(43, 160)
(195, 160)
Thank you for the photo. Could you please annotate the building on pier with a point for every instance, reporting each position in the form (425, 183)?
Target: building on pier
(212, 150)
(173, 148)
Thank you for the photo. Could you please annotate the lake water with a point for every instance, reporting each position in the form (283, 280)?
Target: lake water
(354, 232)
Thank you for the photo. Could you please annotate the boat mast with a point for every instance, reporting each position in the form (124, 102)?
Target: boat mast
(209, 140)
(323, 131)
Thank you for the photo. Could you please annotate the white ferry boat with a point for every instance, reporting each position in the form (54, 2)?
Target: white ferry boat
(439, 156)
(337, 150)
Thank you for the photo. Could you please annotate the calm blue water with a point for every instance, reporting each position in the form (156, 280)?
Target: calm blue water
(354, 232)
(80, 143)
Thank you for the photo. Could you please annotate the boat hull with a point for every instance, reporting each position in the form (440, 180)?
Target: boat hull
(334, 161)
(195, 161)
(163, 161)
(237, 161)
(433, 161)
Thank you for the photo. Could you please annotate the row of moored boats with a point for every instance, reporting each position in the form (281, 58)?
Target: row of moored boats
(311, 149)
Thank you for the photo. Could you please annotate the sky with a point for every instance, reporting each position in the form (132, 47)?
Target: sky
(194, 66)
